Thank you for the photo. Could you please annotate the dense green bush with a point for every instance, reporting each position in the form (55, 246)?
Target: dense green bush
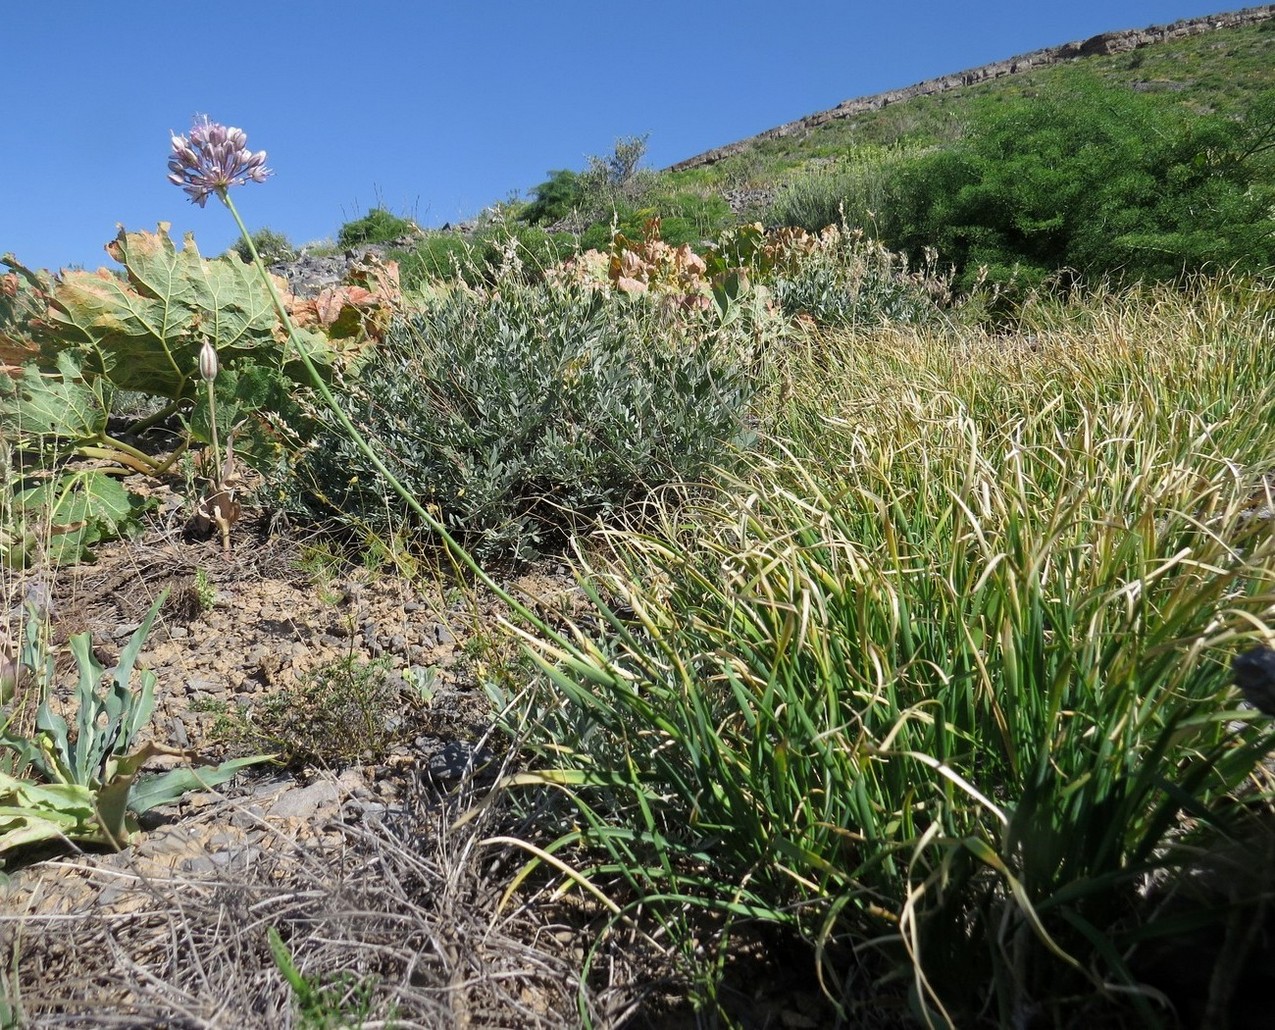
(610, 188)
(554, 199)
(525, 413)
(377, 226)
(272, 246)
(1098, 179)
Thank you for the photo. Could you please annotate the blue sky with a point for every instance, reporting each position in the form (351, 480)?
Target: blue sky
(435, 110)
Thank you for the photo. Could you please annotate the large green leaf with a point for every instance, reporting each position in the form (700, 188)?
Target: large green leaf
(23, 299)
(31, 813)
(53, 412)
(145, 333)
(165, 788)
(65, 517)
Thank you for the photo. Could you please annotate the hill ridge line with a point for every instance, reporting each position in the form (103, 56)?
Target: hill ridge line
(1115, 42)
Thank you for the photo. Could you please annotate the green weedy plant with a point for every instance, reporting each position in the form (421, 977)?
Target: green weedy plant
(83, 783)
(272, 246)
(45, 418)
(852, 189)
(11, 1015)
(348, 711)
(60, 519)
(844, 279)
(437, 257)
(321, 1006)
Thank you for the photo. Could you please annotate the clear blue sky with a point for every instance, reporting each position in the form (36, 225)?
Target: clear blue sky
(437, 109)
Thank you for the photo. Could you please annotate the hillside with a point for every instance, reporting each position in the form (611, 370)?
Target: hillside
(1139, 154)
(1105, 44)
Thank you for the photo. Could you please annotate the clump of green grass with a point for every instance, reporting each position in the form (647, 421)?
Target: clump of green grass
(379, 225)
(941, 682)
(852, 188)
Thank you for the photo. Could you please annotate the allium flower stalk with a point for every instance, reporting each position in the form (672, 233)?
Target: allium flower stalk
(212, 159)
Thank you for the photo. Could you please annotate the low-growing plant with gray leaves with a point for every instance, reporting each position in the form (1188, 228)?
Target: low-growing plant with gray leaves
(843, 279)
(525, 413)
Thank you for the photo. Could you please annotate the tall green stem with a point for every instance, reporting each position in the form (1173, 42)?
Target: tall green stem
(212, 420)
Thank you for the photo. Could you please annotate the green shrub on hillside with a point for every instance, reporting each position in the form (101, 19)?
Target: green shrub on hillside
(852, 189)
(438, 257)
(846, 279)
(1097, 179)
(684, 218)
(524, 414)
(476, 259)
(529, 248)
(377, 226)
(272, 246)
(554, 199)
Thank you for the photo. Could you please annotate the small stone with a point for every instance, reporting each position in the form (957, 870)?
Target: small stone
(305, 802)
(250, 815)
(200, 799)
(203, 686)
(272, 787)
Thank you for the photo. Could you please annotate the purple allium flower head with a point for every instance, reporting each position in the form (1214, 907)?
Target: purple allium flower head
(212, 159)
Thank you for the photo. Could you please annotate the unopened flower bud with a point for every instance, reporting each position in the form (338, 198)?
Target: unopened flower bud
(208, 362)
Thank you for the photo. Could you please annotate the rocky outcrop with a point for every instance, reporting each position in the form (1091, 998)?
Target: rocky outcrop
(308, 274)
(1105, 43)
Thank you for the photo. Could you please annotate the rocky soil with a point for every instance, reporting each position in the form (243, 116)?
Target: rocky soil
(347, 847)
(350, 848)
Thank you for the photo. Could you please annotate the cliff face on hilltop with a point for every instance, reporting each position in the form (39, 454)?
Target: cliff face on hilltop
(1104, 43)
